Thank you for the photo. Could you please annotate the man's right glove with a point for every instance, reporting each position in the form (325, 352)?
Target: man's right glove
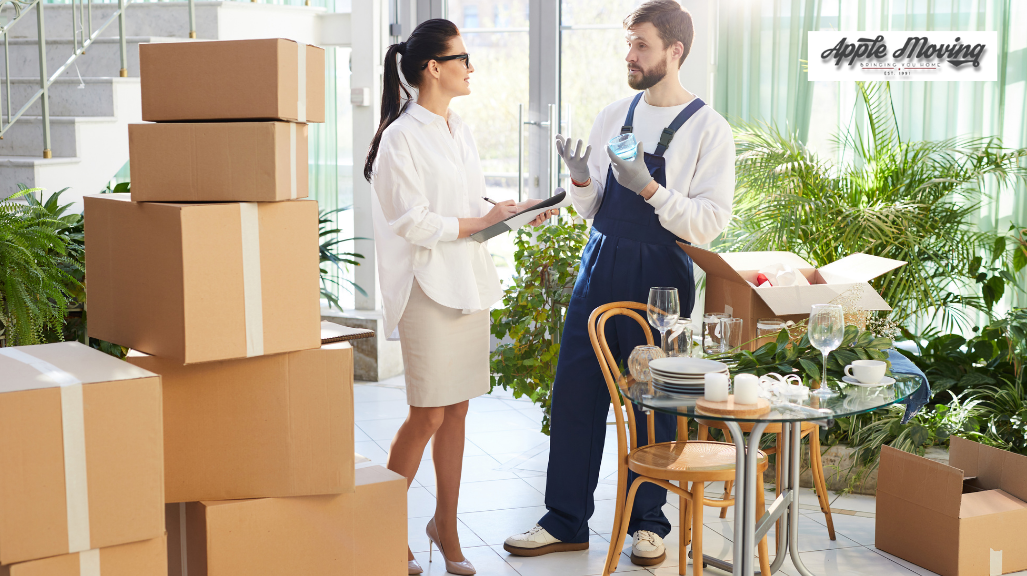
(577, 163)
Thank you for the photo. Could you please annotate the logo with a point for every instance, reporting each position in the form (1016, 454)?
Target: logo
(930, 56)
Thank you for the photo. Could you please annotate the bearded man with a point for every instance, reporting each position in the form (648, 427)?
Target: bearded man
(678, 187)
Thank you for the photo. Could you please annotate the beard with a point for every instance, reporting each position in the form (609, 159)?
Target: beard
(649, 77)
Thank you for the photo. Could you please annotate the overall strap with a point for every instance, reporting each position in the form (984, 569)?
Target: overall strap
(626, 128)
(668, 132)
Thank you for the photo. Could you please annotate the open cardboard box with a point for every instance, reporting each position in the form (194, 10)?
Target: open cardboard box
(731, 280)
(965, 519)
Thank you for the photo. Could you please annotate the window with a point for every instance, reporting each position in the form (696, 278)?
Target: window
(471, 16)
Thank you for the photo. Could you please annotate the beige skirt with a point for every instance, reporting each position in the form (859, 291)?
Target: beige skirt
(445, 352)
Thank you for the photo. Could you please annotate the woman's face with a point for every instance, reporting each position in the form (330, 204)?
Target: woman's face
(454, 76)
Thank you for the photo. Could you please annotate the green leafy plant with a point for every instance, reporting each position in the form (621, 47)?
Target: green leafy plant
(330, 253)
(534, 306)
(908, 200)
(785, 356)
(36, 269)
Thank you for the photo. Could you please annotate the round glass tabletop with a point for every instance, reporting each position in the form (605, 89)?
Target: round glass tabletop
(852, 400)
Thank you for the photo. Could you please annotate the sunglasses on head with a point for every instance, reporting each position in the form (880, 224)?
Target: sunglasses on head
(465, 57)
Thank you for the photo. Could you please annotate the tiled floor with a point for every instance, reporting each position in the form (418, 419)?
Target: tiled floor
(503, 493)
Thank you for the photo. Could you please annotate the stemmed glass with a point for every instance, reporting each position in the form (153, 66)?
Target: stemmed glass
(663, 310)
(826, 330)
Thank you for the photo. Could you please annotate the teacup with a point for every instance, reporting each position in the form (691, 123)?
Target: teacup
(866, 371)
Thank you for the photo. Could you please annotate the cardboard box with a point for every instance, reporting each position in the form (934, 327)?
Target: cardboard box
(81, 456)
(269, 79)
(146, 558)
(279, 425)
(203, 282)
(965, 519)
(728, 288)
(351, 534)
(218, 161)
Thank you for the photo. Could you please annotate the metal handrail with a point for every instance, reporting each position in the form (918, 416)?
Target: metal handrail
(81, 40)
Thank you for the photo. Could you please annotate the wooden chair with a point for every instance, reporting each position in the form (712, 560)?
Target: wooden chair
(690, 464)
(816, 464)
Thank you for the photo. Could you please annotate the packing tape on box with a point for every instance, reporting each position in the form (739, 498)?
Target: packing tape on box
(89, 563)
(995, 568)
(292, 160)
(183, 551)
(301, 92)
(74, 430)
(253, 301)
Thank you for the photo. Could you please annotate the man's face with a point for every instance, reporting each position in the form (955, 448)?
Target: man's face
(647, 56)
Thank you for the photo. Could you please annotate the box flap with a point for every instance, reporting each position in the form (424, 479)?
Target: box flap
(988, 502)
(994, 468)
(920, 481)
(757, 260)
(82, 362)
(712, 264)
(789, 300)
(858, 267)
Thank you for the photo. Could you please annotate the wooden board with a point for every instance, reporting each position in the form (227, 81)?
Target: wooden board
(729, 408)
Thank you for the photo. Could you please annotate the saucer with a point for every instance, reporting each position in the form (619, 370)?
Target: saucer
(886, 381)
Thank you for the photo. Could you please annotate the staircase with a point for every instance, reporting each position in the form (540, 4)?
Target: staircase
(90, 105)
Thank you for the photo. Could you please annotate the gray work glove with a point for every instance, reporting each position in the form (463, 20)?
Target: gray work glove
(631, 174)
(577, 163)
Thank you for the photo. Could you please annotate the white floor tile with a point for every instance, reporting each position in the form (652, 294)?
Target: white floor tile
(508, 441)
(499, 421)
(372, 393)
(857, 528)
(372, 450)
(384, 429)
(498, 495)
(855, 502)
(905, 564)
(845, 562)
(475, 469)
(378, 410)
(418, 540)
(420, 503)
(360, 436)
(583, 563)
(494, 527)
(485, 560)
(812, 535)
(488, 404)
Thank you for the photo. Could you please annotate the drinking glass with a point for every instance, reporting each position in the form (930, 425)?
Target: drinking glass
(680, 341)
(730, 334)
(767, 330)
(663, 311)
(826, 330)
(638, 362)
(624, 146)
(712, 331)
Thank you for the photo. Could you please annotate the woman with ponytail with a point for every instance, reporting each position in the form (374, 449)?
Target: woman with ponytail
(437, 283)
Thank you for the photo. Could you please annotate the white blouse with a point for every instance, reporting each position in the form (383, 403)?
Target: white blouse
(427, 175)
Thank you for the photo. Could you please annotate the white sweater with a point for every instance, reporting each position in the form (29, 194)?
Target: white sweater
(696, 203)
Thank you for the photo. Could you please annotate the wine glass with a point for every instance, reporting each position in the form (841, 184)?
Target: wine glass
(826, 330)
(663, 311)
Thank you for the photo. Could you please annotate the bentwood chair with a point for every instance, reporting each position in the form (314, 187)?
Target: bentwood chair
(689, 464)
(816, 464)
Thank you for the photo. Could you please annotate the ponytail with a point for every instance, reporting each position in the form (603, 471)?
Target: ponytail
(428, 41)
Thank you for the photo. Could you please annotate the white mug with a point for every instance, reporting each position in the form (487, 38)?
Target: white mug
(866, 371)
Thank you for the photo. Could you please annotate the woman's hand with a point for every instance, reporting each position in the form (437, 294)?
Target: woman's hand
(501, 211)
(541, 217)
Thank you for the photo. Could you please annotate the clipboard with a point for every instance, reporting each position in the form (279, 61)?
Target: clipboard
(558, 200)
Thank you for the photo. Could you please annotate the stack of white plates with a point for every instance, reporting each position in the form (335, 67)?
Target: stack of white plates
(683, 376)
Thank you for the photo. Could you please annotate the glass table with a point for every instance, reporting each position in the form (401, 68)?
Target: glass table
(748, 530)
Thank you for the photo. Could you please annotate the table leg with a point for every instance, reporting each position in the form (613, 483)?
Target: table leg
(741, 481)
(793, 516)
(780, 532)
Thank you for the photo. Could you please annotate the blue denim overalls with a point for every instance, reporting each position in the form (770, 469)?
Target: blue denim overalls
(628, 253)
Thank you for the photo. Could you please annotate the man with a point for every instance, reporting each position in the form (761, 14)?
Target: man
(679, 187)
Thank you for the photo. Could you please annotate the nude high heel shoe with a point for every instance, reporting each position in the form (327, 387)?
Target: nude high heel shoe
(413, 567)
(464, 568)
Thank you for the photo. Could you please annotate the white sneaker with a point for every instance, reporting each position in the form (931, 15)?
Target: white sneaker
(647, 549)
(538, 541)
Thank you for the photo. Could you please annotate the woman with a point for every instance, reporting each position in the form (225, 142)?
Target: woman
(437, 284)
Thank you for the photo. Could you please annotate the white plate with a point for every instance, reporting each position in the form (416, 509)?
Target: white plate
(886, 381)
(674, 380)
(684, 365)
(679, 375)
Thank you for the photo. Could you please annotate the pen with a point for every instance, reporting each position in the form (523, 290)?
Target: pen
(489, 200)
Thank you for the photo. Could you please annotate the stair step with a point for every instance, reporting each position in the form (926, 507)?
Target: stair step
(102, 58)
(25, 137)
(72, 97)
(141, 19)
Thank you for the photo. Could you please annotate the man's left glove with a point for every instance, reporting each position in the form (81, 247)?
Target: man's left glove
(631, 174)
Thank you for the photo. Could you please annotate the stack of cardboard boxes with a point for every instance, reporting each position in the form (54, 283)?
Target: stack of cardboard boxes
(210, 274)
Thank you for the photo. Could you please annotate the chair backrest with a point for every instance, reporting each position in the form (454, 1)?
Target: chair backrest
(612, 373)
